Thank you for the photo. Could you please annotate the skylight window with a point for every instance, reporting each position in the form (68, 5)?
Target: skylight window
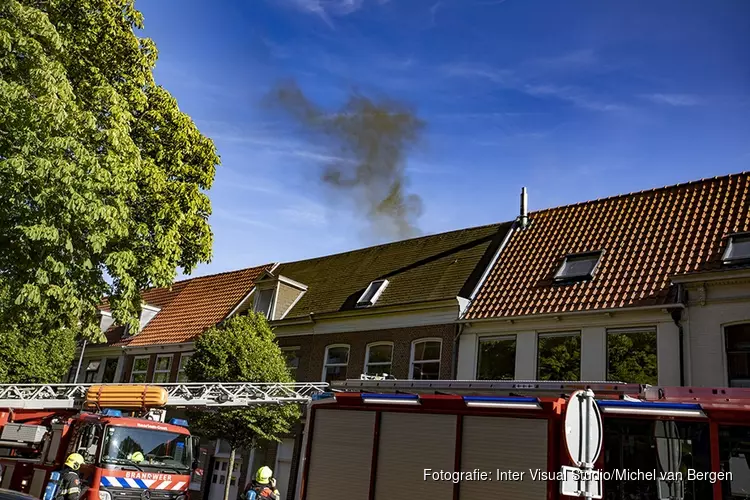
(372, 293)
(578, 267)
(738, 249)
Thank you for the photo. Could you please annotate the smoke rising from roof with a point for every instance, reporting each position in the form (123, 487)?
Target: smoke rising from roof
(368, 140)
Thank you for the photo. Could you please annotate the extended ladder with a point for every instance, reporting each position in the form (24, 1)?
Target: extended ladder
(187, 395)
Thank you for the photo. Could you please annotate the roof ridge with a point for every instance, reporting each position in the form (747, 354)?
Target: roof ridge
(704, 180)
(206, 276)
(380, 245)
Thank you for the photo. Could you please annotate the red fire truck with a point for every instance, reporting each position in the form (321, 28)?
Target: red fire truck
(119, 429)
(385, 439)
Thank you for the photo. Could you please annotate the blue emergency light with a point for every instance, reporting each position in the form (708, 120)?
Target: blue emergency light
(517, 403)
(109, 412)
(651, 408)
(395, 399)
(179, 421)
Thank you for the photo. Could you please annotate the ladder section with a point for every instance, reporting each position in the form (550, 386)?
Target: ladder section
(508, 387)
(187, 395)
(241, 394)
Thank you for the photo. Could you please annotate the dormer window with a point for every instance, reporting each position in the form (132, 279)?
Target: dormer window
(578, 267)
(372, 293)
(738, 249)
(263, 301)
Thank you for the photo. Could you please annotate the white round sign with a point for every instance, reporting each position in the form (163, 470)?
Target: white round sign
(583, 428)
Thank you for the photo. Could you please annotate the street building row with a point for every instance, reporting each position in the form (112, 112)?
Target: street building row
(650, 287)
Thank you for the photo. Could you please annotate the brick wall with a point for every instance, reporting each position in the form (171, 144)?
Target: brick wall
(313, 347)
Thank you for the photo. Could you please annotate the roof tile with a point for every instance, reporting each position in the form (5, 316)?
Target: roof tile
(647, 237)
(189, 307)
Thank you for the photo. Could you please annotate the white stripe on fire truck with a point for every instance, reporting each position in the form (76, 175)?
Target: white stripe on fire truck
(164, 485)
(178, 485)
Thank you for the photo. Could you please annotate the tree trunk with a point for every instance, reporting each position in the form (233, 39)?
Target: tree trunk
(230, 469)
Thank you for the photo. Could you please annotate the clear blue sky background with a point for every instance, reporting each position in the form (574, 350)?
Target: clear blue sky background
(575, 100)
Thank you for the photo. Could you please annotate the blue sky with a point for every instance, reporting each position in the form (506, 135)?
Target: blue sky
(575, 100)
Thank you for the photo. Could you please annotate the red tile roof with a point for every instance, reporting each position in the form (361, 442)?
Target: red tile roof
(647, 237)
(189, 307)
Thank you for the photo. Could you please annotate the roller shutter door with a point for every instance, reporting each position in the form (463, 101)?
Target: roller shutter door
(516, 444)
(341, 455)
(410, 443)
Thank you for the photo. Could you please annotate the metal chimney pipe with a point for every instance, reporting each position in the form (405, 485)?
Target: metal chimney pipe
(523, 218)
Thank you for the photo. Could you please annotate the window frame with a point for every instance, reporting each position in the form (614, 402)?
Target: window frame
(563, 280)
(490, 338)
(619, 331)
(379, 363)
(95, 371)
(325, 359)
(414, 350)
(167, 371)
(383, 284)
(571, 333)
(133, 371)
(727, 352)
(730, 243)
(297, 348)
(181, 369)
(256, 300)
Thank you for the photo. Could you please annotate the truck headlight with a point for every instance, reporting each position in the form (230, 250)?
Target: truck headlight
(104, 495)
(181, 497)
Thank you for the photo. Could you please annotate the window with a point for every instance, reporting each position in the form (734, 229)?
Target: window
(162, 369)
(372, 293)
(631, 356)
(734, 457)
(737, 339)
(263, 301)
(578, 267)
(92, 369)
(559, 356)
(337, 357)
(378, 358)
(497, 358)
(110, 370)
(738, 249)
(140, 368)
(292, 359)
(184, 358)
(425, 359)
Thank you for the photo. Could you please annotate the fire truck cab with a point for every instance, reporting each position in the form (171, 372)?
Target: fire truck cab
(124, 455)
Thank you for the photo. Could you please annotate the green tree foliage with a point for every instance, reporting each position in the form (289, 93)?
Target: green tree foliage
(560, 357)
(100, 172)
(242, 349)
(632, 357)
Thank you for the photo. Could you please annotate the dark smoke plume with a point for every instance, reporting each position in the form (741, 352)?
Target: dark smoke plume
(367, 141)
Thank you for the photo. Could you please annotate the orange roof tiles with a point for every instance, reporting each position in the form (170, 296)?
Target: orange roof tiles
(647, 237)
(189, 307)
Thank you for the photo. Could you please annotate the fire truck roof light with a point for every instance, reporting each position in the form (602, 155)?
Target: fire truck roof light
(179, 421)
(394, 399)
(517, 403)
(651, 408)
(109, 412)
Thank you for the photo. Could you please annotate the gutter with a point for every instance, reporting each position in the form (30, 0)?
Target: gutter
(676, 314)
(454, 365)
(590, 312)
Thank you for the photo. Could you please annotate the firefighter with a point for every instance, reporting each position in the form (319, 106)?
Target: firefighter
(262, 486)
(70, 482)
